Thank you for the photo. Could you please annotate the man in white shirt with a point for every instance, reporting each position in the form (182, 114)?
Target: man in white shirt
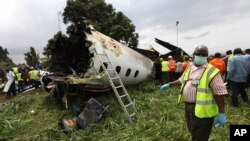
(9, 87)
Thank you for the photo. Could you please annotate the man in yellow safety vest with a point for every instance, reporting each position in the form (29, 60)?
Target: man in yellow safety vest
(34, 76)
(164, 71)
(19, 76)
(203, 92)
(15, 70)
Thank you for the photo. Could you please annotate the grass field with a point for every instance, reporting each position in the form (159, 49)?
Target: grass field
(159, 117)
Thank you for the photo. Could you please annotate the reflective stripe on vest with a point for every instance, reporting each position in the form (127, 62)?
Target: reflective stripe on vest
(205, 105)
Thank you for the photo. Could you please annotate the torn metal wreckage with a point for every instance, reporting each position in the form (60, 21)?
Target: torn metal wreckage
(101, 64)
(87, 116)
(131, 66)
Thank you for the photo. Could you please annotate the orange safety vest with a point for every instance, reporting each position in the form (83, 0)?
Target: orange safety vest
(172, 65)
(184, 65)
(219, 64)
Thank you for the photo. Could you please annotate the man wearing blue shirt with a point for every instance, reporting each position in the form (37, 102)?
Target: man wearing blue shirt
(237, 74)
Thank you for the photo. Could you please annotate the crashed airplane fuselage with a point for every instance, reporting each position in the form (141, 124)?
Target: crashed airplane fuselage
(131, 66)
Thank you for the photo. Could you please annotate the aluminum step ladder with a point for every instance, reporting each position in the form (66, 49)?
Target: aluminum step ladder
(117, 86)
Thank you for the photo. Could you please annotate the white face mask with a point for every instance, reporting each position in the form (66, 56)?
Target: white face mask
(200, 60)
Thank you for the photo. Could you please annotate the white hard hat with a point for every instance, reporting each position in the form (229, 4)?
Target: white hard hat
(170, 56)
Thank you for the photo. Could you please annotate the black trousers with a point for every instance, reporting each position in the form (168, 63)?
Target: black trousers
(248, 81)
(200, 128)
(35, 83)
(238, 88)
(20, 86)
(171, 76)
(164, 77)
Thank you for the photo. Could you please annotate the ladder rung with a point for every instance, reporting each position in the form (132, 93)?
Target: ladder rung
(110, 69)
(114, 77)
(106, 61)
(117, 87)
(132, 115)
(128, 105)
(123, 95)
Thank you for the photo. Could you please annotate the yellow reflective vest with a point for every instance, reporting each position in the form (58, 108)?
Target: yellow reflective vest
(15, 70)
(19, 77)
(34, 74)
(164, 66)
(205, 105)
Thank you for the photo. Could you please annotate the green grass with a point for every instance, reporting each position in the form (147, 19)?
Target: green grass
(159, 117)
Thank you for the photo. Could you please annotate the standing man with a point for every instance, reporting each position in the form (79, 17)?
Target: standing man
(227, 59)
(34, 76)
(164, 71)
(172, 67)
(185, 63)
(10, 87)
(237, 74)
(20, 77)
(15, 70)
(218, 63)
(203, 92)
(178, 71)
(247, 54)
(157, 70)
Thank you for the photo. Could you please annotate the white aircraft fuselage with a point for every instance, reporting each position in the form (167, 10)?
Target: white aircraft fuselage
(131, 66)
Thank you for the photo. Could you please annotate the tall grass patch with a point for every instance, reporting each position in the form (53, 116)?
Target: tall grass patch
(159, 117)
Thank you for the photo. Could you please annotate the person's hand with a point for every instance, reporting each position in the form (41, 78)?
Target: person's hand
(164, 87)
(221, 120)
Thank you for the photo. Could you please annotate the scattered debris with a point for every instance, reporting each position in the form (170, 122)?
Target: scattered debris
(90, 114)
(32, 111)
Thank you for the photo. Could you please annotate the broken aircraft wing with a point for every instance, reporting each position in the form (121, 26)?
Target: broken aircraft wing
(150, 54)
(174, 50)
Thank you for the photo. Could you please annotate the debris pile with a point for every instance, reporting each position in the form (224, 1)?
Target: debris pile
(90, 114)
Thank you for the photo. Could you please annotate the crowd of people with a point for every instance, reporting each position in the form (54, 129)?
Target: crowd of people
(168, 69)
(203, 87)
(18, 79)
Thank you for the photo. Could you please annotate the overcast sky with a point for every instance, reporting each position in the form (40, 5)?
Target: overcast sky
(219, 24)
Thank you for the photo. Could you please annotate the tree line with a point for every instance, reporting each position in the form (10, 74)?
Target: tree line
(66, 50)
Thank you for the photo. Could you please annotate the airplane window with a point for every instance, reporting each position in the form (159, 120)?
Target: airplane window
(106, 66)
(136, 73)
(128, 72)
(118, 69)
